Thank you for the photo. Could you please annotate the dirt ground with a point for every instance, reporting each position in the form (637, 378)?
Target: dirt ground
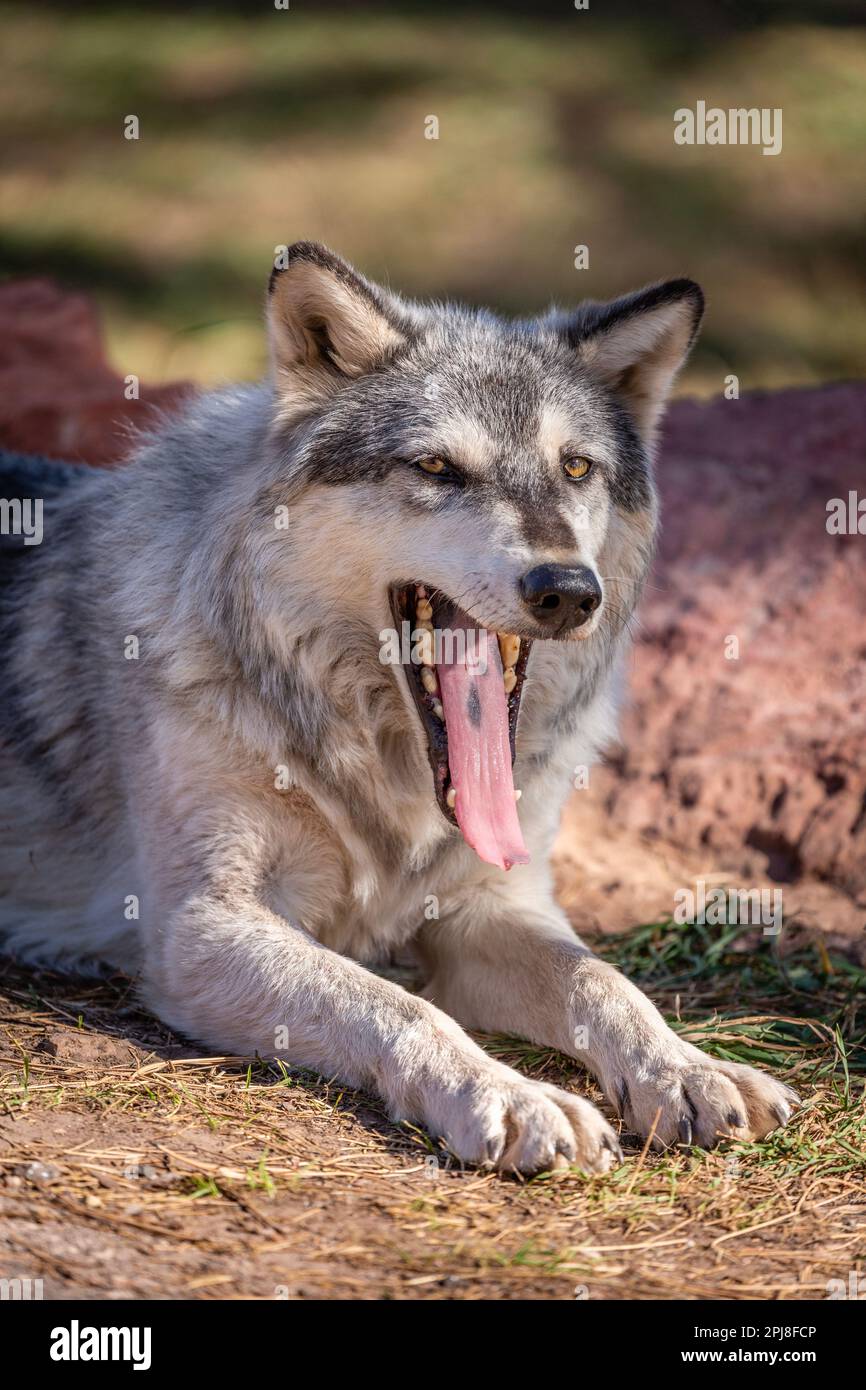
(131, 1166)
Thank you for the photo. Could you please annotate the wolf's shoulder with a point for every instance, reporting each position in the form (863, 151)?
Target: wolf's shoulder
(221, 418)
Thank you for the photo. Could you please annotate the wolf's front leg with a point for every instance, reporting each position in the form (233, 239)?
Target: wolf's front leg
(236, 976)
(507, 971)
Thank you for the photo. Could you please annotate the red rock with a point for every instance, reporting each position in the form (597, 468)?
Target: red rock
(756, 766)
(58, 396)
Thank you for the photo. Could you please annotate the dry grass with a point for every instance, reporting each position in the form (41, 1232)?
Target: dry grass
(165, 1174)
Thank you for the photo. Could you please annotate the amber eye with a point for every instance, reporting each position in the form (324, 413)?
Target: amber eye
(577, 467)
(433, 465)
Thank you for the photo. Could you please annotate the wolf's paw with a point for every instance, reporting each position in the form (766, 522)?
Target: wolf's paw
(703, 1101)
(521, 1126)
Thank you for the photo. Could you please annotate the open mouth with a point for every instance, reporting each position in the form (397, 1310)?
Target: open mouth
(467, 682)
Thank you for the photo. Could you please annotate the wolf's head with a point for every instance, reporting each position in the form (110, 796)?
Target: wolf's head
(467, 480)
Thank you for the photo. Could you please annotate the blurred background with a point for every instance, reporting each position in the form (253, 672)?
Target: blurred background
(261, 126)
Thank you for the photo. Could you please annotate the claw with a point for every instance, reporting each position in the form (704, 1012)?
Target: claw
(623, 1099)
(613, 1147)
(685, 1130)
(735, 1119)
(782, 1114)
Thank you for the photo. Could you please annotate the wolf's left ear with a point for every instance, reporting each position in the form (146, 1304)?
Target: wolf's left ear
(326, 324)
(637, 344)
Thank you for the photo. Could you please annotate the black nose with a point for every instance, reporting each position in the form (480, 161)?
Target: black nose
(561, 597)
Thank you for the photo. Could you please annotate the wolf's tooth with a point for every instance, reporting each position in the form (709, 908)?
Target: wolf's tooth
(429, 681)
(423, 610)
(451, 798)
(438, 710)
(509, 679)
(509, 648)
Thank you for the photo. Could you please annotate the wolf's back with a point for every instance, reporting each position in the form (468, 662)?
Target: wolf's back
(56, 801)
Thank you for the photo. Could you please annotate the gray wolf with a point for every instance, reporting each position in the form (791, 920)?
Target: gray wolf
(216, 777)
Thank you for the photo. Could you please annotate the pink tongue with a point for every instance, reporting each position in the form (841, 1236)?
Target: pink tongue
(479, 754)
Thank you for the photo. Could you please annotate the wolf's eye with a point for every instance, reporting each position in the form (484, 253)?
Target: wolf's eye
(577, 467)
(439, 468)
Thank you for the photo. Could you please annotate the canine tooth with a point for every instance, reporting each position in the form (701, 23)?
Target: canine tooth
(438, 710)
(509, 648)
(509, 679)
(429, 681)
(517, 793)
(425, 647)
(424, 610)
(424, 625)
(451, 798)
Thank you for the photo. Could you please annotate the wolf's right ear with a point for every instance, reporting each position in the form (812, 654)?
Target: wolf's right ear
(637, 344)
(326, 324)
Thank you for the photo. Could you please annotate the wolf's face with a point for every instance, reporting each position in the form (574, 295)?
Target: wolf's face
(479, 486)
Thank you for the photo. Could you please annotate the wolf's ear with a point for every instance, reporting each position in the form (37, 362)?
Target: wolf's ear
(637, 344)
(325, 324)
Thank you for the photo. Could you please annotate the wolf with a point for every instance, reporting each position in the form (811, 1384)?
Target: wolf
(216, 778)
